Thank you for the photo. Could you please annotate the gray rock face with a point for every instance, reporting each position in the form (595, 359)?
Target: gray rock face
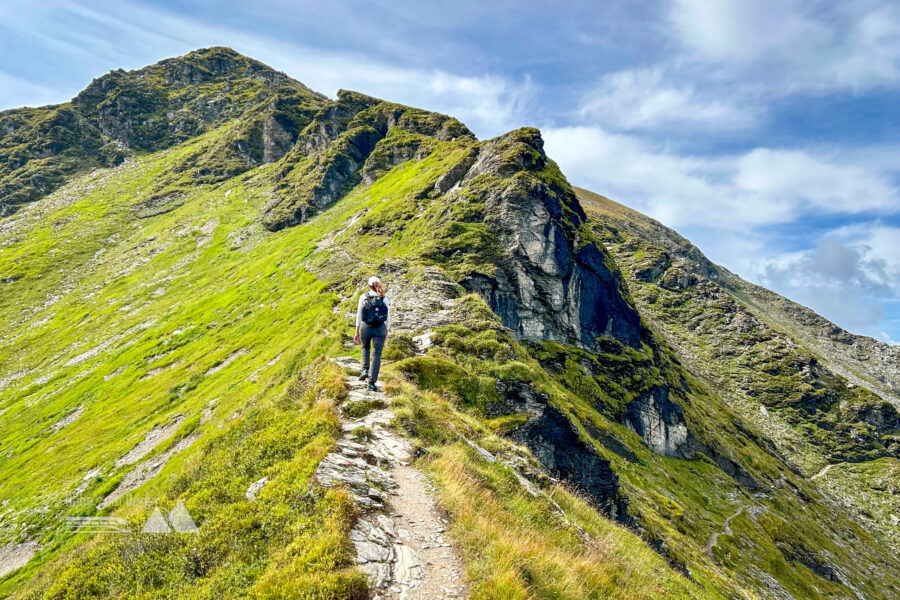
(517, 398)
(549, 284)
(332, 121)
(881, 415)
(659, 421)
(554, 441)
(276, 139)
(454, 175)
(429, 304)
(556, 444)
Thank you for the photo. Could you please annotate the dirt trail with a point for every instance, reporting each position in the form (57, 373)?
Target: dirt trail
(824, 471)
(726, 530)
(400, 539)
(16, 556)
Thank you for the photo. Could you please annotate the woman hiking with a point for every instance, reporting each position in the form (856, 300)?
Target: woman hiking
(372, 322)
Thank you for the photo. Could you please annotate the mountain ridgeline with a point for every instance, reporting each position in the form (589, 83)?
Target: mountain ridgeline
(602, 410)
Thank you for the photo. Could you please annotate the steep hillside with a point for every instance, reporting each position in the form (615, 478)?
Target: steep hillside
(860, 359)
(166, 325)
(822, 395)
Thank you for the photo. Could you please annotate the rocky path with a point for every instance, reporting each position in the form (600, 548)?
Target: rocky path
(399, 538)
(726, 530)
(16, 556)
(824, 471)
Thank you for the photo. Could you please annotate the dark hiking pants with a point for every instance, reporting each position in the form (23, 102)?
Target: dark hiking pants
(374, 337)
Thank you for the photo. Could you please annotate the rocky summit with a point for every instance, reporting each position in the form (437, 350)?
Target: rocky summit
(576, 403)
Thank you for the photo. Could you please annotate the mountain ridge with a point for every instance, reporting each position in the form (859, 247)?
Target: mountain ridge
(815, 330)
(141, 110)
(177, 307)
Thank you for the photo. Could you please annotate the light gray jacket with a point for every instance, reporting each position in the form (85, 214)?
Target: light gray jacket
(362, 300)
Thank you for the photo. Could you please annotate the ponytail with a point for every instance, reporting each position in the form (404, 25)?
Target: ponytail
(379, 289)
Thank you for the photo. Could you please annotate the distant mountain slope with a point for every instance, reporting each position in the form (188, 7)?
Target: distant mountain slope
(165, 325)
(860, 359)
(801, 380)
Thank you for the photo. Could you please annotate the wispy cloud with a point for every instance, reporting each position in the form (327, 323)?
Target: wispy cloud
(15, 91)
(742, 31)
(760, 187)
(644, 99)
(799, 46)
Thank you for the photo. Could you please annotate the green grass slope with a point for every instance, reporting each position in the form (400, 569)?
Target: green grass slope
(200, 323)
(165, 325)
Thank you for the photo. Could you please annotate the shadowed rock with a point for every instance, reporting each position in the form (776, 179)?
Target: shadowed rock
(659, 421)
(550, 283)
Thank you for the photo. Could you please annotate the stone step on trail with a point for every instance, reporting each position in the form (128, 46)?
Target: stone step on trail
(400, 538)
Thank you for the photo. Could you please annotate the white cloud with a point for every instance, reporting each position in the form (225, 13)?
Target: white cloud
(763, 186)
(642, 99)
(741, 29)
(793, 46)
(800, 179)
(833, 265)
(881, 247)
(850, 276)
(872, 52)
(674, 189)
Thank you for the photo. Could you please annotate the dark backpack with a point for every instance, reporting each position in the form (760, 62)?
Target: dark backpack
(375, 311)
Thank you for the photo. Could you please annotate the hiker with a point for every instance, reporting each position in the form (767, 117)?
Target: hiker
(372, 322)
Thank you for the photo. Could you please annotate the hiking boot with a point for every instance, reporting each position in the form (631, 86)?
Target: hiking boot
(363, 375)
(372, 387)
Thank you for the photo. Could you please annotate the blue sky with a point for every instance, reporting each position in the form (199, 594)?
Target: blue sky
(765, 131)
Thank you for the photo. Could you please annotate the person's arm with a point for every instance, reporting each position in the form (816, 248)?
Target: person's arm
(387, 322)
(359, 308)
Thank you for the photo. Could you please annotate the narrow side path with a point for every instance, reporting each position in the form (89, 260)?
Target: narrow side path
(824, 471)
(726, 530)
(399, 538)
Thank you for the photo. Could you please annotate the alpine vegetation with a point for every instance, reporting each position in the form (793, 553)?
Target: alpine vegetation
(573, 402)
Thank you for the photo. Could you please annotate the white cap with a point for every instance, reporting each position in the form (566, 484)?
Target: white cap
(373, 280)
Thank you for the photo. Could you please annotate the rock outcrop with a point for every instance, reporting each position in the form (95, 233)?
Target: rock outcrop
(554, 440)
(348, 142)
(550, 282)
(659, 421)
